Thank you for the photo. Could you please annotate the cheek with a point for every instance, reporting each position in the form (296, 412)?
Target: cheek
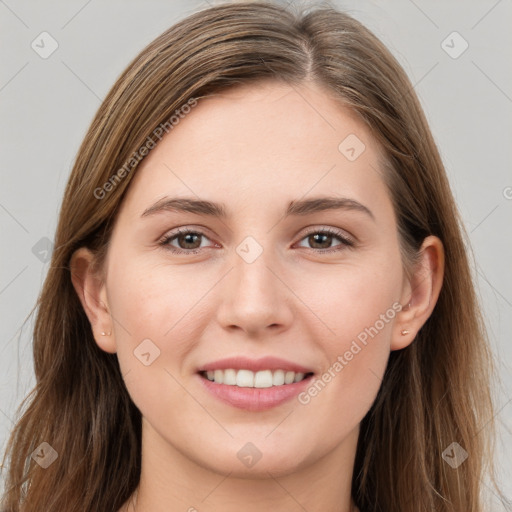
(156, 309)
(359, 307)
(352, 297)
(149, 299)
(154, 326)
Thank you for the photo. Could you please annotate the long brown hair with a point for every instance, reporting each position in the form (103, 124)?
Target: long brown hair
(435, 392)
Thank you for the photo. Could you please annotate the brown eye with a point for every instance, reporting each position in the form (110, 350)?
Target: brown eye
(319, 240)
(322, 240)
(188, 241)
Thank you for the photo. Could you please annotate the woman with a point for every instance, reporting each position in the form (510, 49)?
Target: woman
(259, 294)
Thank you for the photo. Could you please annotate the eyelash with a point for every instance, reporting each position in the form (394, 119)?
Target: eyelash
(346, 243)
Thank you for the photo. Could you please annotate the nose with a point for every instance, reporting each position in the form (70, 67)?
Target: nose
(255, 297)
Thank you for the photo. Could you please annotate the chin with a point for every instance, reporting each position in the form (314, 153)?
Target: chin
(253, 460)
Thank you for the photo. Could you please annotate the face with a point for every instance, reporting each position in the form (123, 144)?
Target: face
(315, 290)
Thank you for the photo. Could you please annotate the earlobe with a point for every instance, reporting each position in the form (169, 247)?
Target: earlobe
(91, 291)
(421, 292)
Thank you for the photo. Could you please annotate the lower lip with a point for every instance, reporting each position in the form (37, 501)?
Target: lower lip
(255, 399)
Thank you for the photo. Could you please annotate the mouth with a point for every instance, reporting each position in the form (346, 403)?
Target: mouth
(254, 384)
(255, 390)
(261, 379)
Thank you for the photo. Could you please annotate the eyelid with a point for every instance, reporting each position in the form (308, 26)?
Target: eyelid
(188, 228)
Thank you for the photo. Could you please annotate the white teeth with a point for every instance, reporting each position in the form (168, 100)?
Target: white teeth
(278, 378)
(229, 377)
(244, 379)
(289, 377)
(263, 379)
(249, 379)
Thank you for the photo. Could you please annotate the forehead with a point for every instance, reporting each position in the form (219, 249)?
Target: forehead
(261, 142)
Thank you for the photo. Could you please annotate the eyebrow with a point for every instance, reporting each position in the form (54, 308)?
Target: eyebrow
(295, 208)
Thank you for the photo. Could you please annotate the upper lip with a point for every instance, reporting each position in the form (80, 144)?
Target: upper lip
(255, 365)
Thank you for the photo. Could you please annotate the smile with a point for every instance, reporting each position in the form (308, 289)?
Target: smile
(249, 379)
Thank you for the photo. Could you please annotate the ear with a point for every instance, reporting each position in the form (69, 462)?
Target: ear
(421, 292)
(91, 291)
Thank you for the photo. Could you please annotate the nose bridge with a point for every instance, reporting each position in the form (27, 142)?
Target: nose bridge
(252, 277)
(253, 297)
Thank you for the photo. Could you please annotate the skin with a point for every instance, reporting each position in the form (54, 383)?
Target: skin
(255, 148)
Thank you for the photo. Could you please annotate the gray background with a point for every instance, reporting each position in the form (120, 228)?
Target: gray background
(47, 104)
